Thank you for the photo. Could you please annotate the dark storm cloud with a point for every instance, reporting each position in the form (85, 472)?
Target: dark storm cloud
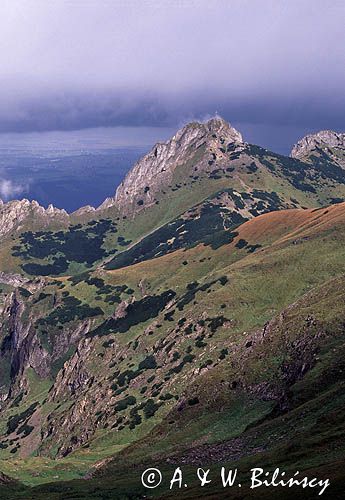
(260, 63)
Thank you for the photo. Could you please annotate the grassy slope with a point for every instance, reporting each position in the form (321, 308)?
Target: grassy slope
(314, 396)
(259, 285)
(300, 250)
(307, 432)
(296, 183)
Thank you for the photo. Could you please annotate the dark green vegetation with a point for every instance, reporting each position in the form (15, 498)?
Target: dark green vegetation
(210, 223)
(136, 313)
(81, 244)
(16, 420)
(71, 309)
(214, 335)
(298, 172)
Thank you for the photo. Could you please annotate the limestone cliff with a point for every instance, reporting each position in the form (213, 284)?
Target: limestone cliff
(156, 169)
(326, 145)
(15, 214)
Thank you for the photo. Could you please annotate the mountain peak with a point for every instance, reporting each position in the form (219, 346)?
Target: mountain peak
(14, 215)
(320, 140)
(215, 125)
(191, 148)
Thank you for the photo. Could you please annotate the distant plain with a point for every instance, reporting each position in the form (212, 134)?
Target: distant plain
(71, 169)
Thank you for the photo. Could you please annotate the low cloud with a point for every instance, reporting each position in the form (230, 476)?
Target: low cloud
(9, 189)
(144, 63)
(273, 69)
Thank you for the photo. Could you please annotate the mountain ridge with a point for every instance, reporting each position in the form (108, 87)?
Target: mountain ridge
(154, 171)
(165, 157)
(322, 138)
(201, 313)
(204, 173)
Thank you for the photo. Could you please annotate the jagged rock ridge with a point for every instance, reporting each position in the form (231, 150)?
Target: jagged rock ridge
(326, 141)
(156, 168)
(17, 212)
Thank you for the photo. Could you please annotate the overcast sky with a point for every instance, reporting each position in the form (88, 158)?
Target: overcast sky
(274, 68)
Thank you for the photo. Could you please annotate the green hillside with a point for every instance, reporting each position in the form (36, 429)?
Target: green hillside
(204, 329)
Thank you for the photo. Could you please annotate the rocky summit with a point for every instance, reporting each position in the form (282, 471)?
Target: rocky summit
(324, 149)
(326, 139)
(157, 168)
(195, 318)
(15, 214)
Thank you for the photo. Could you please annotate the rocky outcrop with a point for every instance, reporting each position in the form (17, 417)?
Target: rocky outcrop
(74, 375)
(87, 210)
(15, 214)
(326, 140)
(22, 346)
(16, 280)
(156, 169)
(4, 479)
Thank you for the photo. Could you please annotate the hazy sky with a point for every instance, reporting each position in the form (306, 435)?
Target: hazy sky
(274, 68)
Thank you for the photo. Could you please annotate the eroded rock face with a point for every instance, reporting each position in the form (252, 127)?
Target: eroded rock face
(156, 169)
(87, 210)
(22, 347)
(16, 280)
(325, 140)
(74, 375)
(4, 479)
(15, 214)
